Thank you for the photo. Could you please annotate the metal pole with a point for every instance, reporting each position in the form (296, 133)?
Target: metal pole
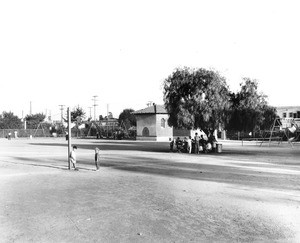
(62, 112)
(69, 138)
(95, 100)
(90, 111)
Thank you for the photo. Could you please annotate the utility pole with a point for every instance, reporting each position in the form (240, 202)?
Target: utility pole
(95, 100)
(61, 112)
(69, 137)
(90, 108)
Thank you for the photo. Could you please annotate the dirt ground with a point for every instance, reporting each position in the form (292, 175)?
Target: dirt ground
(144, 193)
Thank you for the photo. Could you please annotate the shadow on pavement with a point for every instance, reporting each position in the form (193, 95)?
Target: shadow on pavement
(206, 172)
(273, 155)
(130, 146)
(35, 164)
(235, 172)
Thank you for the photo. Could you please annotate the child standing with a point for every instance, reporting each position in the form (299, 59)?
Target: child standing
(73, 157)
(97, 158)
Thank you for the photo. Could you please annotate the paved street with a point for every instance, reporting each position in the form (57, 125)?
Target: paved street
(144, 193)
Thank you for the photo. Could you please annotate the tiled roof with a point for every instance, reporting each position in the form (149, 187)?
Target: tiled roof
(156, 109)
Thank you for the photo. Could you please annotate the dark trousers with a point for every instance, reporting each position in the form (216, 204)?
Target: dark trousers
(196, 148)
(97, 161)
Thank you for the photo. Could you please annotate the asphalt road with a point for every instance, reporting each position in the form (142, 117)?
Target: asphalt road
(144, 193)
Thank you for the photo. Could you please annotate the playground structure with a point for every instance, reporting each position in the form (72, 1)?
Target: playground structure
(107, 129)
(93, 124)
(283, 128)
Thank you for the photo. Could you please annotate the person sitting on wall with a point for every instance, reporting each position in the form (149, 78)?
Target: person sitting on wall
(172, 143)
(212, 141)
(178, 144)
(196, 141)
(203, 143)
(185, 144)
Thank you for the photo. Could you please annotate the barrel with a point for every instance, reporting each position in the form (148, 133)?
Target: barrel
(219, 148)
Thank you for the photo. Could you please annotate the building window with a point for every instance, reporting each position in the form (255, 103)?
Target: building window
(163, 123)
(298, 114)
(291, 115)
(284, 115)
(145, 132)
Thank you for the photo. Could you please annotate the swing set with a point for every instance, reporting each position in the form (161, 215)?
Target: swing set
(283, 128)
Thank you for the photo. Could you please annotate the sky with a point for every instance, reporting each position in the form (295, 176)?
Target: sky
(56, 53)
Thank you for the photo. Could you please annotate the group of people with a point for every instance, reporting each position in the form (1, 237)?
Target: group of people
(73, 159)
(9, 135)
(200, 143)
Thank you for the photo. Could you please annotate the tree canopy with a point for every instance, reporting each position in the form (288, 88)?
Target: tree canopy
(9, 121)
(196, 98)
(128, 118)
(32, 121)
(77, 114)
(250, 109)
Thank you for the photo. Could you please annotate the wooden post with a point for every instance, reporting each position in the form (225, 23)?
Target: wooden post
(69, 138)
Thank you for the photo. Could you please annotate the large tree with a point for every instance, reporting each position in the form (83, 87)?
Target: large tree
(127, 118)
(196, 98)
(250, 109)
(9, 121)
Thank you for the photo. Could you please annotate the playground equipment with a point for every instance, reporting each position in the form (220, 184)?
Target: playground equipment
(293, 131)
(94, 124)
(41, 126)
(288, 128)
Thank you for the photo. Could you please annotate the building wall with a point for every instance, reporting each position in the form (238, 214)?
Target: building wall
(163, 133)
(154, 124)
(288, 111)
(146, 120)
(182, 133)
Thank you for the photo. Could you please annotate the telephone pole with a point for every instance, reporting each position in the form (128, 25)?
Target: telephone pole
(61, 112)
(69, 137)
(95, 100)
(90, 108)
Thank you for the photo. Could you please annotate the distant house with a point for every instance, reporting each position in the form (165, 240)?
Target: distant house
(289, 115)
(152, 125)
(288, 111)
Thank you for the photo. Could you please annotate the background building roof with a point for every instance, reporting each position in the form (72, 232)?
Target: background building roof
(155, 109)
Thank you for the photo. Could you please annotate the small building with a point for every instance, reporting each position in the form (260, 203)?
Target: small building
(289, 115)
(152, 125)
(288, 111)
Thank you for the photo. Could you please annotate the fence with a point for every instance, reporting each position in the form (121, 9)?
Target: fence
(24, 133)
(235, 135)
